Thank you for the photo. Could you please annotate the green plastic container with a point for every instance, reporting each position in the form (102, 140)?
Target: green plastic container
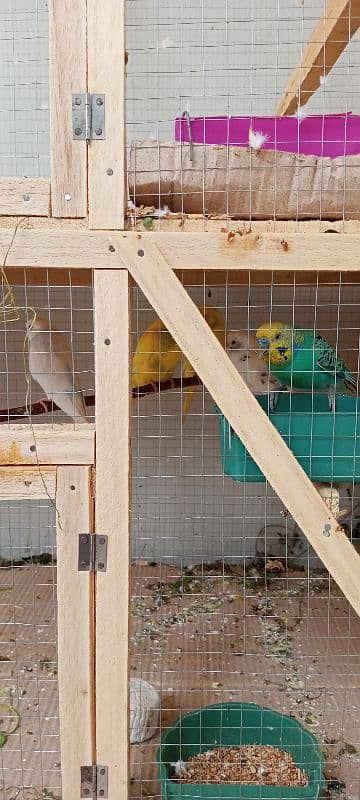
(234, 724)
(326, 445)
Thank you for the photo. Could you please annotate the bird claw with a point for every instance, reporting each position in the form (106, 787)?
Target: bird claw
(332, 402)
(273, 400)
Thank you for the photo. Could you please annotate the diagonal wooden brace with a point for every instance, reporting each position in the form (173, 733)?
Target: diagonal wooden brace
(186, 324)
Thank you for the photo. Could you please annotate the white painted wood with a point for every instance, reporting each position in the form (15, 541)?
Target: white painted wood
(27, 483)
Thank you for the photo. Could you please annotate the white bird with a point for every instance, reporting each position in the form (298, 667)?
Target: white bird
(243, 351)
(51, 365)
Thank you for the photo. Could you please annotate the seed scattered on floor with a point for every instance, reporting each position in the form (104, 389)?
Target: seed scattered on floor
(261, 764)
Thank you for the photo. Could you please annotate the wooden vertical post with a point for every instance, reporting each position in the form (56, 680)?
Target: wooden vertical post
(112, 518)
(75, 628)
(106, 73)
(67, 43)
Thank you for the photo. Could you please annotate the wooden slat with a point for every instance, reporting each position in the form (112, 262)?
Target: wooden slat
(46, 444)
(330, 37)
(112, 518)
(75, 629)
(256, 251)
(106, 68)
(25, 196)
(24, 483)
(67, 42)
(185, 322)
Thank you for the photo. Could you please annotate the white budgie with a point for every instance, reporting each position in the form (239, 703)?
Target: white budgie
(51, 365)
(244, 353)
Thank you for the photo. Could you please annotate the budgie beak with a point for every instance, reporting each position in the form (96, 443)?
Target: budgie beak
(263, 343)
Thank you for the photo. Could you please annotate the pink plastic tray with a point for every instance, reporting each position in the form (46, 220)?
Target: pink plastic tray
(330, 135)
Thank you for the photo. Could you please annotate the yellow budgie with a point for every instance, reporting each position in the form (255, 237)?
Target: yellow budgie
(216, 322)
(156, 356)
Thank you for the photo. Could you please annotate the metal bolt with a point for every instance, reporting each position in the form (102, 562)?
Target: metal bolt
(112, 248)
(99, 101)
(98, 131)
(101, 565)
(107, 341)
(78, 101)
(78, 131)
(327, 530)
(109, 171)
(102, 541)
(102, 771)
(83, 539)
(140, 253)
(72, 487)
(32, 448)
(83, 563)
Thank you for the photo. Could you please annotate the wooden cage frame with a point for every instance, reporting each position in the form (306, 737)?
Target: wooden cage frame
(77, 220)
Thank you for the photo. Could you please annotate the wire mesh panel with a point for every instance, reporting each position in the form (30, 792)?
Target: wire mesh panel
(203, 84)
(46, 334)
(24, 57)
(30, 737)
(229, 603)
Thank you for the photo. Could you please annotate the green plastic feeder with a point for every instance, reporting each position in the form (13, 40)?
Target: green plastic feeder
(234, 724)
(327, 445)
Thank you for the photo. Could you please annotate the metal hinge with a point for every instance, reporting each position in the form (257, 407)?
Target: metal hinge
(92, 552)
(94, 782)
(88, 116)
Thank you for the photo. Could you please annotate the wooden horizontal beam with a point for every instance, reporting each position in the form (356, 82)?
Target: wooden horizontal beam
(25, 196)
(330, 37)
(47, 444)
(264, 443)
(27, 483)
(255, 251)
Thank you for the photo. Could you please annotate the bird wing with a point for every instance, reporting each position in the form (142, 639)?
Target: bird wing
(51, 365)
(328, 361)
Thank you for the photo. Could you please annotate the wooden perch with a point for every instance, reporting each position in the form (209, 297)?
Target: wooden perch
(330, 37)
(46, 406)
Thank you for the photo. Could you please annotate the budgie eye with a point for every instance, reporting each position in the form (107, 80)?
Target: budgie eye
(277, 336)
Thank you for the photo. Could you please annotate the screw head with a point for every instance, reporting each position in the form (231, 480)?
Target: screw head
(102, 541)
(98, 131)
(101, 565)
(78, 101)
(33, 448)
(109, 171)
(140, 253)
(111, 248)
(107, 341)
(83, 538)
(99, 101)
(78, 131)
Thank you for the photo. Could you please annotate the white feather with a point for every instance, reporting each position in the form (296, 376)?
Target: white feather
(51, 365)
(257, 139)
(161, 212)
(300, 113)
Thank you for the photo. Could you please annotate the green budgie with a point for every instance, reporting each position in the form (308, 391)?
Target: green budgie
(301, 359)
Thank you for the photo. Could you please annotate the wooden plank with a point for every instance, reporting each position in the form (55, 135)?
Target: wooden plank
(330, 37)
(191, 223)
(256, 251)
(24, 483)
(67, 75)
(112, 517)
(25, 196)
(179, 314)
(46, 444)
(75, 611)
(106, 73)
